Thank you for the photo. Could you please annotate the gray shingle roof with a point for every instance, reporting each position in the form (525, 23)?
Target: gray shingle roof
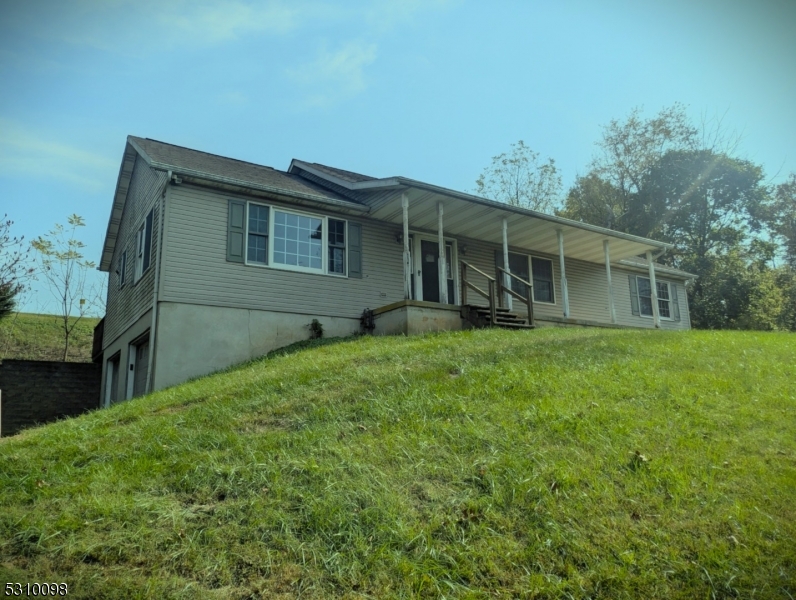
(178, 158)
(343, 174)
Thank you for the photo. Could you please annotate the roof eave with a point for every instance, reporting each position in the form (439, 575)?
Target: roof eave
(532, 213)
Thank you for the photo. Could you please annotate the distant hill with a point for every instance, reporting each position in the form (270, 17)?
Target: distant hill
(555, 463)
(28, 336)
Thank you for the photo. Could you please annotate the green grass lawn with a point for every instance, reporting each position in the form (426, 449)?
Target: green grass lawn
(558, 463)
(28, 336)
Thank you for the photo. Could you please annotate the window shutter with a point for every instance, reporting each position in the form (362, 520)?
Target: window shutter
(148, 241)
(236, 227)
(499, 258)
(633, 295)
(675, 302)
(355, 250)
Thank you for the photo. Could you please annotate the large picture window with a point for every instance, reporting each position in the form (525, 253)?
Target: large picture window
(645, 298)
(297, 241)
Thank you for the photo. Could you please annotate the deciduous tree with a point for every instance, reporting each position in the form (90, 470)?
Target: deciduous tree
(520, 178)
(15, 268)
(61, 260)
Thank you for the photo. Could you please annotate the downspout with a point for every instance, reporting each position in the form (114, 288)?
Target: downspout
(156, 287)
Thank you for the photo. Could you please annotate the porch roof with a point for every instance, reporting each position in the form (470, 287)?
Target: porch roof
(468, 216)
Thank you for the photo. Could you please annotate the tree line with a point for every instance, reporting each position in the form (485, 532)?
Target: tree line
(668, 179)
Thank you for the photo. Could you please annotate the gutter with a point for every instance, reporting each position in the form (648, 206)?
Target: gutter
(153, 328)
(400, 183)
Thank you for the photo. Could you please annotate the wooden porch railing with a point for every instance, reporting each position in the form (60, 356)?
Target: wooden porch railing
(490, 296)
(528, 300)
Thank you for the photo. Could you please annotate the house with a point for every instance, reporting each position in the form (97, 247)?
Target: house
(214, 261)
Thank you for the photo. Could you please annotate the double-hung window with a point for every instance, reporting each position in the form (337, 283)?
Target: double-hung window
(645, 298)
(543, 287)
(121, 269)
(297, 241)
(143, 246)
(540, 268)
(336, 247)
(257, 247)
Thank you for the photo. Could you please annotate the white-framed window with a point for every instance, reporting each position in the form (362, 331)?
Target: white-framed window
(525, 266)
(298, 241)
(121, 269)
(645, 298)
(544, 289)
(143, 247)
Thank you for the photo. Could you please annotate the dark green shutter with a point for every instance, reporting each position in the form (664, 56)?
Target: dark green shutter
(236, 228)
(148, 241)
(354, 250)
(675, 302)
(633, 295)
(499, 258)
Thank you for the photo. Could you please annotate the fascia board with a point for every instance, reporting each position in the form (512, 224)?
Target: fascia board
(390, 182)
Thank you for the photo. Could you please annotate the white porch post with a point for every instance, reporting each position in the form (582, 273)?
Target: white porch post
(407, 260)
(506, 278)
(612, 310)
(564, 291)
(443, 274)
(656, 317)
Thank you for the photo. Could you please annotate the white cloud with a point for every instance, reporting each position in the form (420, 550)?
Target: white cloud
(23, 152)
(224, 21)
(335, 75)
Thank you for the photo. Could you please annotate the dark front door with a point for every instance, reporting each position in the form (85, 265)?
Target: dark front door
(429, 266)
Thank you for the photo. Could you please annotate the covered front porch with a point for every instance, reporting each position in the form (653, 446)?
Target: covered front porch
(503, 265)
(463, 250)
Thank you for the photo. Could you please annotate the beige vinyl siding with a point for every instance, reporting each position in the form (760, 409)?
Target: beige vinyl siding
(125, 306)
(624, 314)
(587, 285)
(195, 269)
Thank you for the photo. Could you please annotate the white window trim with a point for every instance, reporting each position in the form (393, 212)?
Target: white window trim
(553, 282)
(140, 236)
(670, 300)
(529, 258)
(140, 248)
(324, 270)
(122, 275)
(417, 260)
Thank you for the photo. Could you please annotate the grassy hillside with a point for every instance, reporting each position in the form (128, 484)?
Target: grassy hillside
(29, 336)
(479, 464)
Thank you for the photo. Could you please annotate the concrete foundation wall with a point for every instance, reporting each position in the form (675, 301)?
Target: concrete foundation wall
(411, 317)
(37, 391)
(121, 346)
(195, 340)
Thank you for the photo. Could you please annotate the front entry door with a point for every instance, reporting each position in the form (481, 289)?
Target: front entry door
(429, 271)
(429, 266)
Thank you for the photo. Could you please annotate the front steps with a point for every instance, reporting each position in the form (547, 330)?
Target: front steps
(479, 317)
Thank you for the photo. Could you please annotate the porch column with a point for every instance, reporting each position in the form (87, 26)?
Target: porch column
(656, 317)
(611, 309)
(443, 275)
(506, 278)
(564, 291)
(407, 259)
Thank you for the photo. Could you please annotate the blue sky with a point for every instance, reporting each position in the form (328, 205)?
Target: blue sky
(425, 89)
